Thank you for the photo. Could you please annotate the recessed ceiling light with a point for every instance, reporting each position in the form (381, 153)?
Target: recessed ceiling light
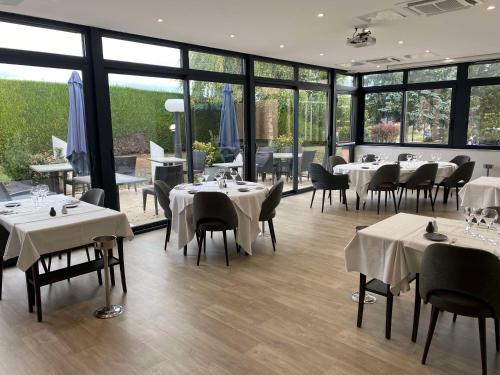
(400, 42)
(232, 35)
(447, 58)
(321, 15)
(378, 66)
(427, 51)
(282, 46)
(160, 20)
(491, 7)
(353, 61)
(322, 54)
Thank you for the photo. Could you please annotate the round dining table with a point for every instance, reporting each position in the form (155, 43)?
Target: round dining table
(246, 196)
(360, 174)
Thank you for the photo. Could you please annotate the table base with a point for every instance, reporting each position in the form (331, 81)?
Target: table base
(369, 298)
(107, 312)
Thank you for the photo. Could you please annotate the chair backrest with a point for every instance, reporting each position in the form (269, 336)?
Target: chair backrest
(386, 174)
(460, 159)
(265, 149)
(125, 164)
(162, 191)
(322, 179)
(369, 158)
(336, 160)
(227, 175)
(273, 199)
(461, 175)
(59, 147)
(93, 196)
(4, 194)
(307, 159)
(264, 161)
(404, 156)
(468, 272)
(214, 206)
(155, 151)
(425, 174)
(199, 158)
(171, 174)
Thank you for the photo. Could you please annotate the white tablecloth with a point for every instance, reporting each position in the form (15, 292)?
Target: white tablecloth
(481, 192)
(247, 204)
(392, 248)
(360, 174)
(33, 232)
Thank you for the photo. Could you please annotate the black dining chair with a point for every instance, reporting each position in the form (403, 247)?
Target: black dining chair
(162, 191)
(268, 208)
(422, 179)
(385, 179)
(305, 161)
(323, 180)
(404, 156)
(369, 158)
(457, 179)
(460, 159)
(335, 160)
(213, 211)
(264, 164)
(171, 174)
(461, 281)
(380, 288)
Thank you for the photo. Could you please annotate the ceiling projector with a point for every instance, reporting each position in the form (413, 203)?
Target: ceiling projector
(362, 37)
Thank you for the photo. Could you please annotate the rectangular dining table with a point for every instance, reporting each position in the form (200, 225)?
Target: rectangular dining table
(481, 193)
(33, 233)
(53, 170)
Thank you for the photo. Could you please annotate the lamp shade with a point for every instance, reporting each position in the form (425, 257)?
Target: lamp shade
(174, 105)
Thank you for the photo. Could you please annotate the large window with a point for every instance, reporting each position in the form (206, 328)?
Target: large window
(215, 63)
(272, 70)
(383, 79)
(343, 118)
(313, 75)
(39, 39)
(383, 117)
(484, 70)
(446, 73)
(142, 130)
(427, 116)
(484, 116)
(142, 53)
(34, 108)
(345, 80)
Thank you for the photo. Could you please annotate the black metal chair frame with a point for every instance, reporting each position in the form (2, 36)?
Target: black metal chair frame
(323, 180)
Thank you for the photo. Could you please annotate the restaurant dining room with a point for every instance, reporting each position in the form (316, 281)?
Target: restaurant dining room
(250, 187)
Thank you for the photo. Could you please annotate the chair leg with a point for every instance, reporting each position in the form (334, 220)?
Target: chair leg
(345, 199)
(378, 202)
(416, 311)
(435, 195)
(1, 276)
(156, 205)
(394, 199)
(432, 202)
(38, 297)
(144, 198)
(330, 196)
(86, 251)
(200, 244)
(497, 334)
(445, 195)
(236, 241)
(386, 199)
(388, 314)
(212, 234)
(68, 258)
(204, 242)
(225, 247)
(418, 198)
(400, 196)
(273, 236)
(361, 298)
(323, 202)
(456, 193)
(29, 288)
(312, 199)
(430, 333)
(185, 250)
(482, 343)
(167, 235)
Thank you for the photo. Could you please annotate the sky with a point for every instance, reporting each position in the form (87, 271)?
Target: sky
(69, 43)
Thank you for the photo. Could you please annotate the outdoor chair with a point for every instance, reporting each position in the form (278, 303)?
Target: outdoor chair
(264, 164)
(385, 179)
(155, 152)
(126, 164)
(458, 179)
(461, 281)
(422, 179)
(162, 191)
(214, 212)
(369, 158)
(305, 161)
(323, 180)
(268, 208)
(171, 174)
(460, 160)
(199, 158)
(404, 156)
(22, 191)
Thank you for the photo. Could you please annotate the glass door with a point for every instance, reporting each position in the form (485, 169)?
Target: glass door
(343, 126)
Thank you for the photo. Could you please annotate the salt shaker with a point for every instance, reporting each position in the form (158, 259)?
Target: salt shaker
(52, 211)
(435, 224)
(64, 210)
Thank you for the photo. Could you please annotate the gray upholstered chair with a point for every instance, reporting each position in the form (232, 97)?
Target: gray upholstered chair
(268, 208)
(171, 174)
(404, 156)
(323, 180)
(335, 160)
(461, 281)
(422, 179)
(162, 191)
(457, 179)
(264, 164)
(199, 158)
(460, 159)
(213, 211)
(93, 196)
(126, 164)
(385, 179)
(305, 161)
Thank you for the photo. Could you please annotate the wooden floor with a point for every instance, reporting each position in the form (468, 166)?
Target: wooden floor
(288, 312)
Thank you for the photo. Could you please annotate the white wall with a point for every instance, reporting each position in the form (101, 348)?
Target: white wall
(479, 156)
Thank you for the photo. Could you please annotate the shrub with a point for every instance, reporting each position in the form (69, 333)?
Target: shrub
(385, 132)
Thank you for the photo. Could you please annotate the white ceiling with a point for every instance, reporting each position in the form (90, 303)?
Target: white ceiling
(260, 26)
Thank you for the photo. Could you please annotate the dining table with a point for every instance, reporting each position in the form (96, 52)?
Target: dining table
(53, 171)
(34, 233)
(246, 196)
(481, 192)
(360, 174)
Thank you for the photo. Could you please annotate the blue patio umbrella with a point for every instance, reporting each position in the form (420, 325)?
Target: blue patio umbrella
(76, 152)
(229, 140)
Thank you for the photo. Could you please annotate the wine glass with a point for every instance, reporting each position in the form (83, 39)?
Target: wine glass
(478, 214)
(234, 174)
(205, 176)
(409, 157)
(468, 218)
(377, 158)
(490, 215)
(218, 176)
(35, 194)
(363, 158)
(44, 191)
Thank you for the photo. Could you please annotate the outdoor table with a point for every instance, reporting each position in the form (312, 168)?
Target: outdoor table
(247, 204)
(233, 164)
(53, 170)
(360, 174)
(33, 233)
(167, 160)
(481, 193)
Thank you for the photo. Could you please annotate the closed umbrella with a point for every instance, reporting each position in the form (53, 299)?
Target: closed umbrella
(77, 140)
(229, 140)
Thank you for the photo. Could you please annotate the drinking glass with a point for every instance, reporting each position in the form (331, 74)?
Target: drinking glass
(363, 158)
(234, 174)
(205, 176)
(35, 194)
(490, 215)
(478, 214)
(468, 218)
(377, 158)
